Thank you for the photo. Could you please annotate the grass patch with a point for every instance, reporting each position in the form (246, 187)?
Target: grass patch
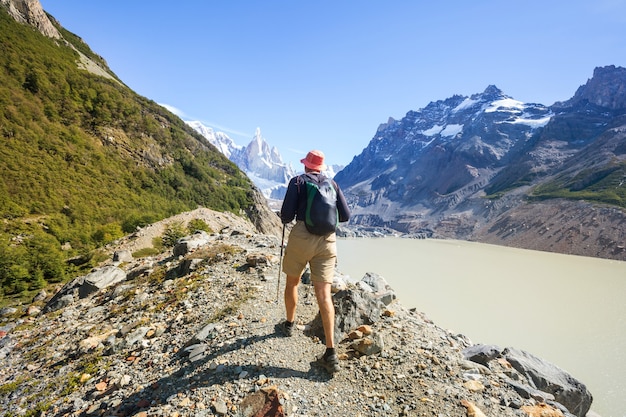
(215, 253)
(146, 252)
(232, 308)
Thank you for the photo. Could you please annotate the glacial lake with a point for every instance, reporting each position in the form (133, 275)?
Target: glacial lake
(568, 310)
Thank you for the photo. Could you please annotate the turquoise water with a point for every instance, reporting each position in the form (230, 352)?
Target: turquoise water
(568, 310)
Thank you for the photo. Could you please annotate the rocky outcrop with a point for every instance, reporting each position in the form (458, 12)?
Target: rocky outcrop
(605, 89)
(31, 13)
(263, 218)
(84, 286)
(542, 380)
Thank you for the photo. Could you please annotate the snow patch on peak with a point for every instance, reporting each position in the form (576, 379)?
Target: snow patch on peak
(505, 104)
(533, 123)
(445, 131)
(452, 130)
(435, 130)
(218, 139)
(465, 104)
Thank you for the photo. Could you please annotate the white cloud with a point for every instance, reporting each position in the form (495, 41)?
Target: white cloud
(178, 112)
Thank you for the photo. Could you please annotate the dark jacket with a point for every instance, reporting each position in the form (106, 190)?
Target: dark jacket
(294, 204)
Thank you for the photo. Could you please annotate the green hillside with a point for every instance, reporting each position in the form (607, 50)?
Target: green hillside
(84, 160)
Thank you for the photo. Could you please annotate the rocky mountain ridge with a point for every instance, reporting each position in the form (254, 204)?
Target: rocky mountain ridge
(461, 167)
(190, 331)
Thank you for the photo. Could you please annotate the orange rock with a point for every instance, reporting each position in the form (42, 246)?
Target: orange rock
(542, 410)
(365, 329)
(472, 410)
(101, 386)
(355, 334)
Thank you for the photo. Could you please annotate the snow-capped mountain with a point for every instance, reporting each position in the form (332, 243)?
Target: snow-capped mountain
(218, 139)
(261, 163)
(437, 157)
(264, 165)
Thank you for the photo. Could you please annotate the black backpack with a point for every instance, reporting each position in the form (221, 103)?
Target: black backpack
(321, 215)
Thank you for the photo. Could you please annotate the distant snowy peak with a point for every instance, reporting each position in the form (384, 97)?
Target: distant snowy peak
(218, 139)
(451, 117)
(261, 163)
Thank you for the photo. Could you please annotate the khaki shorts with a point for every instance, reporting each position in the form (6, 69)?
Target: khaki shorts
(319, 251)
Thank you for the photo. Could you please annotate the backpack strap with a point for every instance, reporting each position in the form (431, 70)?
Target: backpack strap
(300, 180)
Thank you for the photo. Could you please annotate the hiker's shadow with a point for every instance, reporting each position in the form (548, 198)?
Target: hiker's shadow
(206, 372)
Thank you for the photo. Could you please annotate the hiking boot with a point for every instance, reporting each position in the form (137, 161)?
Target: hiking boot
(330, 363)
(284, 329)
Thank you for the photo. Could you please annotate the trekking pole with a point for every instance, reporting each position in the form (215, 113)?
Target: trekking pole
(280, 263)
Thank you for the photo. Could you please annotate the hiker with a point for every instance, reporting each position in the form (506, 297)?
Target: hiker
(318, 250)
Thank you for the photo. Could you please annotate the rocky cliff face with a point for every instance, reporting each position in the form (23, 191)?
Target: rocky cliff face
(30, 12)
(605, 89)
(456, 167)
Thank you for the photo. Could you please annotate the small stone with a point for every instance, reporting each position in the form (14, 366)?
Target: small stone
(472, 409)
(101, 386)
(143, 403)
(474, 386)
(220, 407)
(355, 334)
(124, 380)
(365, 329)
(542, 410)
(33, 310)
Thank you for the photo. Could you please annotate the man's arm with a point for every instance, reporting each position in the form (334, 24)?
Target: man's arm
(290, 203)
(342, 206)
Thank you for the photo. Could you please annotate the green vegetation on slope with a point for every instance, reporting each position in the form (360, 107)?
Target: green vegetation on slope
(607, 185)
(83, 160)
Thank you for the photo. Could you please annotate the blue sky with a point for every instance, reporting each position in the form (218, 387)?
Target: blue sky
(325, 74)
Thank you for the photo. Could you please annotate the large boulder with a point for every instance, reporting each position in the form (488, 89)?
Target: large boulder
(545, 380)
(547, 377)
(190, 243)
(353, 308)
(100, 279)
(84, 286)
(377, 285)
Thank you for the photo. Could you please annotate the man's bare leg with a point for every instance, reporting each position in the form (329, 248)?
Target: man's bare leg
(291, 297)
(327, 311)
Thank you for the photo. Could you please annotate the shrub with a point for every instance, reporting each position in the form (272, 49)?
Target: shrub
(173, 232)
(198, 224)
